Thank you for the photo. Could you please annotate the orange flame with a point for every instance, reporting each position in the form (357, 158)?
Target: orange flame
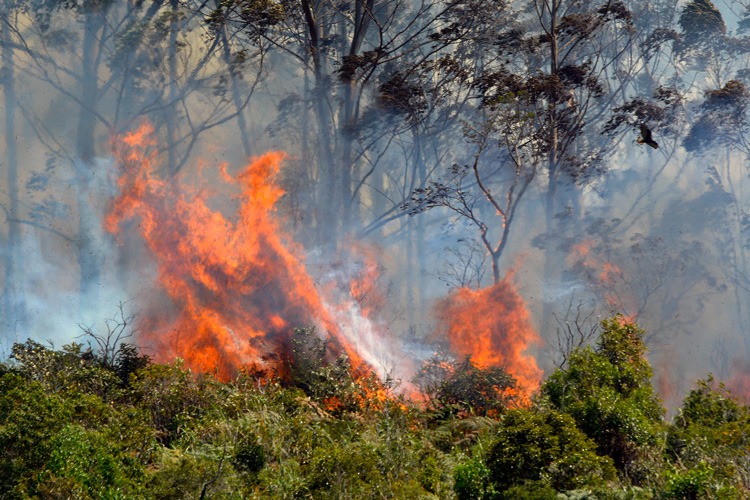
(606, 276)
(492, 326)
(364, 286)
(238, 285)
(739, 379)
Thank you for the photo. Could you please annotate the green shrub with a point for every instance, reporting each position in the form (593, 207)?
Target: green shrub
(29, 418)
(472, 481)
(249, 456)
(531, 490)
(462, 387)
(177, 474)
(545, 446)
(690, 484)
(608, 392)
(327, 381)
(87, 465)
(174, 397)
(710, 432)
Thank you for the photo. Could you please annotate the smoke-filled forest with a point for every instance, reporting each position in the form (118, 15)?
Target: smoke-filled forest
(375, 249)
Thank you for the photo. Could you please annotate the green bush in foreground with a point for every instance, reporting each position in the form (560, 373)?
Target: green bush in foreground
(547, 447)
(608, 391)
(72, 428)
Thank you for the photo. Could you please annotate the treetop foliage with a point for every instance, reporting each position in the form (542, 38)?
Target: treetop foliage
(701, 23)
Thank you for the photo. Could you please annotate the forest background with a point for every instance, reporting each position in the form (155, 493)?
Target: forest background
(462, 145)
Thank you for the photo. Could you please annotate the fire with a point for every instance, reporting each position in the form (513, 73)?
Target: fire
(606, 277)
(492, 326)
(354, 293)
(363, 287)
(239, 285)
(739, 380)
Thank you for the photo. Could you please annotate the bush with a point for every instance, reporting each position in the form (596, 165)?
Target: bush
(29, 418)
(327, 381)
(532, 490)
(608, 392)
(249, 456)
(84, 465)
(690, 484)
(710, 432)
(545, 446)
(178, 474)
(69, 369)
(173, 397)
(461, 387)
(472, 481)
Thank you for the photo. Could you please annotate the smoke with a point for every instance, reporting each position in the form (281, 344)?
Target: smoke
(666, 233)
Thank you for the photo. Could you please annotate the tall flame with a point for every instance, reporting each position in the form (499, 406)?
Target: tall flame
(239, 285)
(492, 326)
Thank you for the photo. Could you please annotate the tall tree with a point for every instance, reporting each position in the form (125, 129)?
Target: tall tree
(13, 302)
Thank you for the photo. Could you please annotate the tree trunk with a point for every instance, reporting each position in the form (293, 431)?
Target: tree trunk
(326, 168)
(13, 298)
(348, 120)
(346, 136)
(235, 89)
(90, 255)
(421, 170)
(551, 258)
(171, 110)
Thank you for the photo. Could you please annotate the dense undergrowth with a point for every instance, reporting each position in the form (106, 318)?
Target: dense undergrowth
(74, 424)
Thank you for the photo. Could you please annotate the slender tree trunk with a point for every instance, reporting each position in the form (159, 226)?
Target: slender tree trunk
(348, 119)
(235, 89)
(327, 179)
(90, 256)
(13, 299)
(171, 112)
(326, 163)
(346, 136)
(420, 222)
(551, 258)
(411, 317)
(307, 161)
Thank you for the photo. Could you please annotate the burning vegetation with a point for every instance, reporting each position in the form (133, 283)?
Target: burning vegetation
(110, 422)
(293, 336)
(491, 326)
(239, 286)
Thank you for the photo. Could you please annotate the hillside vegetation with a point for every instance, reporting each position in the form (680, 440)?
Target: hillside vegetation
(77, 424)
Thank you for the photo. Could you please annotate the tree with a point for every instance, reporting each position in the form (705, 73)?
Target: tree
(722, 120)
(703, 30)
(358, 61)
(541, 119)
(545, 447)
(708, 441)
(479, 192)
(453, 387)
(607, 390)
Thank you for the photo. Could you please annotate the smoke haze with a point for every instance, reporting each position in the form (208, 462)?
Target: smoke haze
(372, 229)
